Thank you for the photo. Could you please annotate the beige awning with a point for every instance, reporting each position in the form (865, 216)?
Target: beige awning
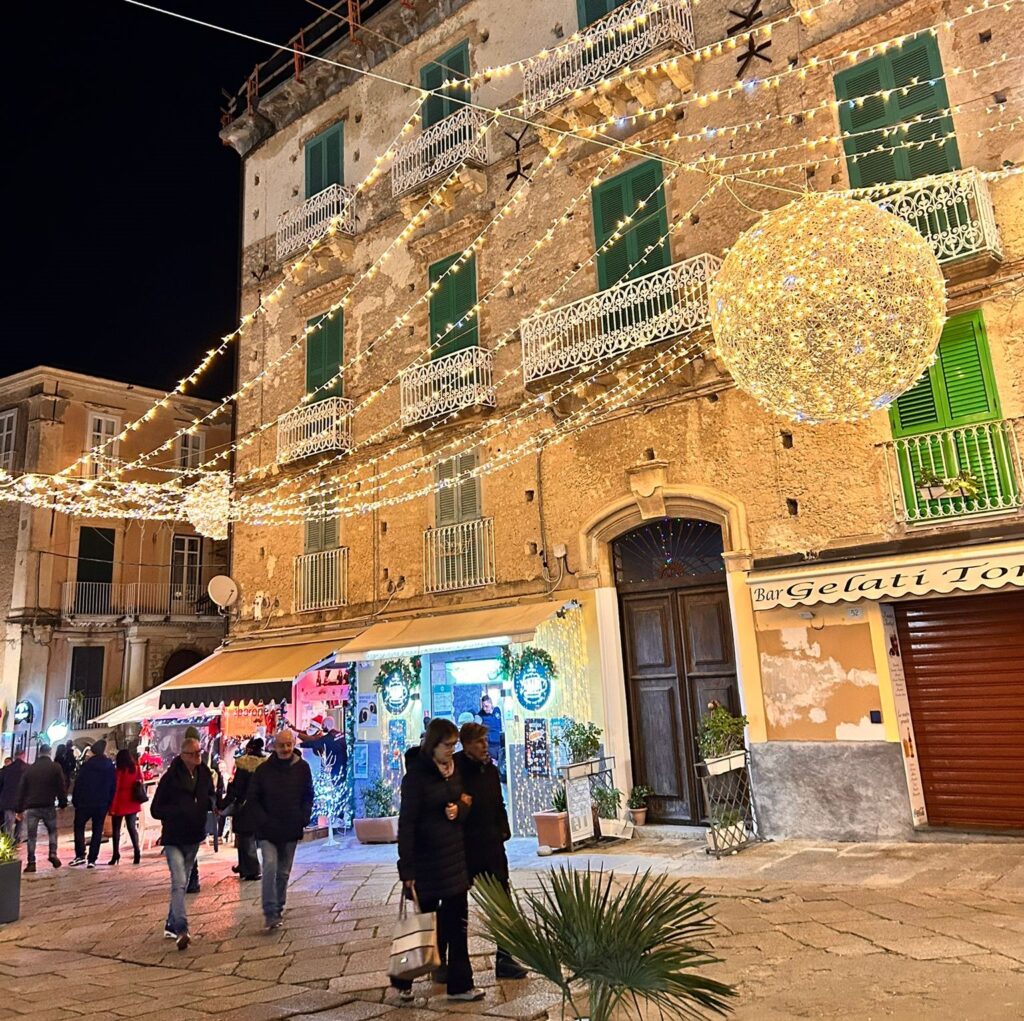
(446, 632)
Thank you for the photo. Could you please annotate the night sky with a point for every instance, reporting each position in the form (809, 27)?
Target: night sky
(122, 201)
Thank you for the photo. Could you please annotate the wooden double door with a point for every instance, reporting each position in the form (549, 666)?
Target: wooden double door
(678, 652)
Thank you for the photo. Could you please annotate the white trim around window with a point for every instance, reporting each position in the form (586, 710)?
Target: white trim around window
(8, 436)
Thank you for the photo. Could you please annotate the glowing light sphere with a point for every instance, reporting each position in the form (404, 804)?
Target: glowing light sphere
(208, 505)
(828, 309)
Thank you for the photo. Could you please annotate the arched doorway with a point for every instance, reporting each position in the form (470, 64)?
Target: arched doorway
(179, 661)
(677, 652)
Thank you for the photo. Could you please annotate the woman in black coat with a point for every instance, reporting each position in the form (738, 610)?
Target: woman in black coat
(243, 816)
(431, 851)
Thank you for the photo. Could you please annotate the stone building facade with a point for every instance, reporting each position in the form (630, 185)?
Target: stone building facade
(696, 546)
(95, 610)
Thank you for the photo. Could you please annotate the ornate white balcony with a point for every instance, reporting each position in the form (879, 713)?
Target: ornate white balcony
(314, 429)
(459, 556)
(953, 212)
(298, 228)
(321, 580)
(628, 34)
(463, 379)
(658, 306)
(953, 473)
(439, 149)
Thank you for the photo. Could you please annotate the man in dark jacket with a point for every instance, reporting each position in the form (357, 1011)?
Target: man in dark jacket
(182, 800)
(486, 827)
(281, 793)
(93, 793)
(10, 781)
(41, 787)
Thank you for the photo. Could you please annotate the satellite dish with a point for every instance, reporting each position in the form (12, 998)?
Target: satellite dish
(223, 590)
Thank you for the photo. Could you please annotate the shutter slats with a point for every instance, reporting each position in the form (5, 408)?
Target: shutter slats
(450, 305)
(446, 498)
(961, 361)
(612, 202)
(469, 488)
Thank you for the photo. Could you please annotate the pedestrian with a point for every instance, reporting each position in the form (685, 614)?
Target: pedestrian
(490, 717)
(281, 794)
(40, 790)
(10, 782)
(70, 764)
(432, 853)
(331, 742)
(181, 802)
(486, 827)
(93, 793)
(236, 801)
(126, 804)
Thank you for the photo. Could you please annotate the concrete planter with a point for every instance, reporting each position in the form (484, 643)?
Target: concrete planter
(10, 891)
(725, 763)
(552, 829)
(377, 831)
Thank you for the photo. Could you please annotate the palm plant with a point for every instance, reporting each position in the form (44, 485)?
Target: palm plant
(629, 946)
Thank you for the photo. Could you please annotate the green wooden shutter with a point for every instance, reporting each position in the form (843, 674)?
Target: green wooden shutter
(610, 201)
(321, 528)
(446, 498)
(450, 305)
(438, 105)
(434, 108)
(589, 11)
(324, 355)
(325, 159)
(966, 371)
(919, 409)
(861, 118)
(469, 488)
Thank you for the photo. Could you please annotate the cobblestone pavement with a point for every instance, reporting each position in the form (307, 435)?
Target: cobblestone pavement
(853, 931)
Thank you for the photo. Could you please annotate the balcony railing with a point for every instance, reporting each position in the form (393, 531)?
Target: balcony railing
(459, 556)
(927, 472)
(321, 580)
(314, 429)
(439, 149)
(463, 379)
(667, 303)
(122, 599)
(628, 34)
(298, 228)
(77, 712)
(953, 212)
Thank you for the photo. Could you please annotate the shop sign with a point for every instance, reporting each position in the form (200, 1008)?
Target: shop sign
(366, 710)
(396, 696)
(243, 720)
(532, 686)
(537, 756)
(361, 761)
(24, 712)
(578, 803)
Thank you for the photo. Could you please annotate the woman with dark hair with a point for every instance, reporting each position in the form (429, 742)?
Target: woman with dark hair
(432, 854)
(243, 817)
(125, 804)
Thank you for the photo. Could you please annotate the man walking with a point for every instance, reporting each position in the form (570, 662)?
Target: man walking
(94, 791)
(490, 717)
(10, 782)
(183, 797)
(281, 792)
(42, 785)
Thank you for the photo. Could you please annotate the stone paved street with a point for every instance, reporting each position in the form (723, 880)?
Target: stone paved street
(856, 931)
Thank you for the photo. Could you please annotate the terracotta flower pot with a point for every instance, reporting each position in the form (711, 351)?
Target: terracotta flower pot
(377, 831)
(552, 829)
(639, 816)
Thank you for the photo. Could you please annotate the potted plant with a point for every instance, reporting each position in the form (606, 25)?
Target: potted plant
(728, 829)
(964, 484)
(637, 803)
(10, 880)
(930, 486)
(608, 803)
(380, 825)
(629, 945)
(583, 739)
(720, 739)
(552, 826)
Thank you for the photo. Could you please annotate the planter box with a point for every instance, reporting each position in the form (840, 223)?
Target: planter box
(10, 891)
(725, 763)
(731, 835)
(552, 829)
(618, 828)
(377, 831)
(931, 492)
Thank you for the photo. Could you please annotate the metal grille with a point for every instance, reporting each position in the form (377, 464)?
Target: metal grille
(298, 228)
(123, 599)
(314, 429)
(439, 149)
(321, 580)
(459, 556)
(730, 804)
(463, 379)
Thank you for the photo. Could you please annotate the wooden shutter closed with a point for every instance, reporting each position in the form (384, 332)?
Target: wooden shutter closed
(459, 501)
(450, 305)
(324, 353)
(325, 160)
(966, 376)
(446, 498)
(448, 66)
(469, 487)
(321, 526)
(858, 119)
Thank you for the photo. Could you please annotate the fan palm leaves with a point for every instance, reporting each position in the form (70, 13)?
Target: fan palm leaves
(629, 944)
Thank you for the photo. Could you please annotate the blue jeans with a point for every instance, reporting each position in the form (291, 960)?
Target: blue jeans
(180, 859)
(14, 829)
(277, 867)
(48, 817)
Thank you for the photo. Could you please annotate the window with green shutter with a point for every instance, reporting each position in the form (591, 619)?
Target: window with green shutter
(325, 159)
(324, 351)
(453, 65)
(589, 11)
(451, 327)
(643, 247)
(910, 77)
(458, 501)
(321, 526)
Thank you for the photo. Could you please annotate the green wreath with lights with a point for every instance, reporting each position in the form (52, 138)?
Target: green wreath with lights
(512, 665)
(407, 671)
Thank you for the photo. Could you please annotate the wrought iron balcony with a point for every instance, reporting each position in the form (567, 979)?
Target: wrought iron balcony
(459, 556)
(463, 379)
(298, 228)
(77, 710)
(953, 473)
(314, 429)
(439, 149)
(135, 598)
(953, 212)
(630, 33)
(667, 303)
(321, 580)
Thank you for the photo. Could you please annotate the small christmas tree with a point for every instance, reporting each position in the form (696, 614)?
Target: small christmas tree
(330, 794)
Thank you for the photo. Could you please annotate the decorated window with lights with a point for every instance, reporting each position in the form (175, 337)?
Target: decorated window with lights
(190, 450)
(325, 345)
(101, 443)
(321, 529)
(452, 327)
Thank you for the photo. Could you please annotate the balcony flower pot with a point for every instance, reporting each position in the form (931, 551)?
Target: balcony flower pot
(932, 492)
(725, 835)
(552, 829)
(10, 891)
(725, 763)
(638, 816)
(377, 831)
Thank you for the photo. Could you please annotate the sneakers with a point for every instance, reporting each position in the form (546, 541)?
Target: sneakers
(183, 940)
(90, 865)
(30, 866)
(77, 861)
(467, 997)
(273, 923)
(170, 934)
(54, 861)
(405, 996)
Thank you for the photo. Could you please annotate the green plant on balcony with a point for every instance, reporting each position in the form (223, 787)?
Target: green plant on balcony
(965, 483)
(719, 732)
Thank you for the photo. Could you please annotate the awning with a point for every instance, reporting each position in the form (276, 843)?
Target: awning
(965, 569)
(447, 632)
(142, 707)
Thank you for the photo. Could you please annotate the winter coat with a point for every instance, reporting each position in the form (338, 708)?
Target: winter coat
(94, 785)
(431, 848)
(492, 721)
(281, 795)
(41, 785)
(332, 744)
(181, 803)
(243, 820)
(10, 781)
(486, 827)
(124, 802)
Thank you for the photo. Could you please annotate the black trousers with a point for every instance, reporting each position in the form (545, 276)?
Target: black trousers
(452, 940)
(82, 816)
(248, 862)
(131, 823)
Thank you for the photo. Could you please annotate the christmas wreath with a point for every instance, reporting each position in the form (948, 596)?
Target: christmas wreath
(513, 665)
(406, 671)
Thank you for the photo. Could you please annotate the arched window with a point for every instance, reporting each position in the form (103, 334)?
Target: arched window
(179, 661)
(669, 550)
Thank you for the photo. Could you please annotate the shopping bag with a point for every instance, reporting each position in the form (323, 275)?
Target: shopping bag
(414, 949)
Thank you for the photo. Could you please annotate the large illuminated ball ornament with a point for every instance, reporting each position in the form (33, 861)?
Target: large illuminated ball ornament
(828, 309)
(208, 505)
